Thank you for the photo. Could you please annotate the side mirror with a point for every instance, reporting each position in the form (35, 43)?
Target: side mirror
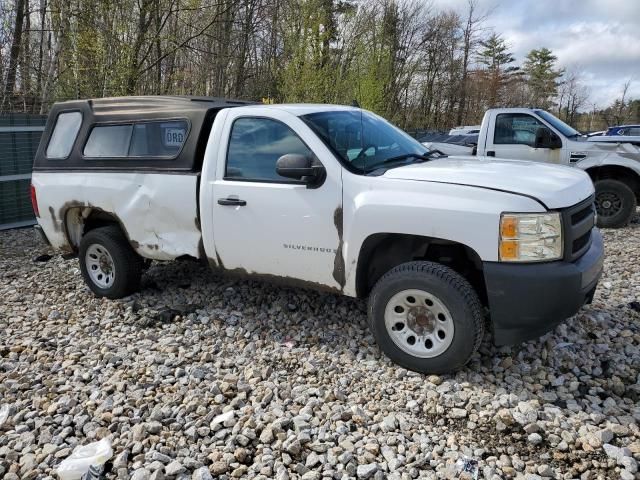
(545, 138)
(301, 167)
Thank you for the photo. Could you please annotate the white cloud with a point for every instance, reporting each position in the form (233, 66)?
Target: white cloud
(600, 38)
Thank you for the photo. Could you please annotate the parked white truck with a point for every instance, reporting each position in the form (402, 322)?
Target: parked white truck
(327, 197)
(533, 134)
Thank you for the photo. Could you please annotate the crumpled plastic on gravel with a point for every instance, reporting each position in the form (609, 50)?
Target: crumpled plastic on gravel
(84, 456)
(467, 468)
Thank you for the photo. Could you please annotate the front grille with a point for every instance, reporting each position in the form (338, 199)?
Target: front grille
(578, 221)
(580, 243)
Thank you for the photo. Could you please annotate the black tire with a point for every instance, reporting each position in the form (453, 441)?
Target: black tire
(126, 262)
(615, 203)
(457, 295)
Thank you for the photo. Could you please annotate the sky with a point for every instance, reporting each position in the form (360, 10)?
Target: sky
(598, 38)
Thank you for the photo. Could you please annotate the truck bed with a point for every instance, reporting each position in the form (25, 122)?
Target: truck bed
(156, 211)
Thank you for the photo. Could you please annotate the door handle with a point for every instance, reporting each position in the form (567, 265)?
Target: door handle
(232, 201)
(491, 153)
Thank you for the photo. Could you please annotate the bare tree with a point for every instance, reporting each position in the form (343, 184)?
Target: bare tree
(14, 55)
(470, 32)
(618, 113)
(572, 96)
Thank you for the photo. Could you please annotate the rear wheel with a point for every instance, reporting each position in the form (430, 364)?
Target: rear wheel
(615, 203)
(110, 267)
(426, 317)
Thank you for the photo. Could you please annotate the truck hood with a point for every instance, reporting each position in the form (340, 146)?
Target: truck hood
(553, 186)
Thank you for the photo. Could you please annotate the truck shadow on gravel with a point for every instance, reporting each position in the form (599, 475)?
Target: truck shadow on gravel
(175, 290)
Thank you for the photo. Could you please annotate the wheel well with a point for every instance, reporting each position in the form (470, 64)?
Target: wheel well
(80, 220)
(616, 172)
(383, 251)
(99, 218)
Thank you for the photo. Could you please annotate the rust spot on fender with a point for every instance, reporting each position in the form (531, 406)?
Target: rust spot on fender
(149, 246)
(56, 225)
(218, 267)
(243, 274)
(338, 261)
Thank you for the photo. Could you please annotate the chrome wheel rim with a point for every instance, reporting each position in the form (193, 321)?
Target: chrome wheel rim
(100, 266)
(419, 323)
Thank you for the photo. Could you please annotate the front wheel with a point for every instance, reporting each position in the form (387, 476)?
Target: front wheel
(109, 266)
(615, 203)
(426, 317)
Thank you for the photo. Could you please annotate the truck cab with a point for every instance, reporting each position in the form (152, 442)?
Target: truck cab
(613, 163)
(327, 197)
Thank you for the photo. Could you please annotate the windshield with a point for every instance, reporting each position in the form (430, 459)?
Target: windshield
(558, 124)
(363, 141)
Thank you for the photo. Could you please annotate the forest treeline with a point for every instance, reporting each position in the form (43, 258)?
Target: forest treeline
(421, 67)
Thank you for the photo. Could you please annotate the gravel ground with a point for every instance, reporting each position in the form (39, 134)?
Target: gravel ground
(200, 377)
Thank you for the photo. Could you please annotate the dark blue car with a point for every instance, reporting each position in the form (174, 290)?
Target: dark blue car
(626, 130)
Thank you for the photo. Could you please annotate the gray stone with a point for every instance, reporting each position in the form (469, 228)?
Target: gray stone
(311, 475)
(545, 470)
(157, 475)
(154, 427)
(154, 455)
(312, 460)
(138, 432)
(174, 468)
(141, 474)
(629, 464)
(201, 473)
(367, 471)
(267, 435)
(120, 461)
(534, 439)
(458, 413)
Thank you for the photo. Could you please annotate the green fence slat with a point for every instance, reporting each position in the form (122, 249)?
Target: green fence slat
(17, 150)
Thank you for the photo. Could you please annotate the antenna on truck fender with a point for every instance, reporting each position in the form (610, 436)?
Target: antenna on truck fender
(355, 103)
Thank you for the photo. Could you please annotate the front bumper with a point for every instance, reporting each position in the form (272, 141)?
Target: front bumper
(528, 300)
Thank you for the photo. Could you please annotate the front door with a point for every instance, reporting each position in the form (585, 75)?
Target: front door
(267, 224)
(514, 137)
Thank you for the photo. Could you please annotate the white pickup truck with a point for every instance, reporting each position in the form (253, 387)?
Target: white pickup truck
(327, 197)
(613, 163)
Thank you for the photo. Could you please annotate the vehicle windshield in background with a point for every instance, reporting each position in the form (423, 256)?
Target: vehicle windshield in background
(558, 124)
(453, 139)
(363, 141)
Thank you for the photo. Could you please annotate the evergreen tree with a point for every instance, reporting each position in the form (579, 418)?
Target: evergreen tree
(495, 56)
(542, 77)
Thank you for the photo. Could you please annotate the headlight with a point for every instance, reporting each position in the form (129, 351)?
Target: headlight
(530, 237)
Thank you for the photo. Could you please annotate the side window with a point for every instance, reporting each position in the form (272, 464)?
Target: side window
(634, 132)
(64, 135)
(108, 141)
(158, 139)
(255, 146)
(516, 129)
(161, 139)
